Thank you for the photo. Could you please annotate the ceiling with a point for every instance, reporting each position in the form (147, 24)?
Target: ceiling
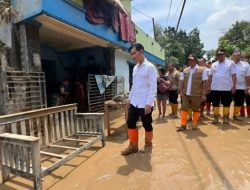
(64, 37)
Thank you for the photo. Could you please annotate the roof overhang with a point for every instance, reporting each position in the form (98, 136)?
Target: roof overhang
(65, 37)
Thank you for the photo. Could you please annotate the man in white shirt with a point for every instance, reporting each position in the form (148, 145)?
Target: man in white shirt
(192, 91)
(141, 100)
(243, 78)
(222, 84)
(202, 63)
(209, 97)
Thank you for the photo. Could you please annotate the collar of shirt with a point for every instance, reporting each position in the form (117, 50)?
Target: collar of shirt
(222, 61)
(239, 62)
(143, 63)
(194, 68)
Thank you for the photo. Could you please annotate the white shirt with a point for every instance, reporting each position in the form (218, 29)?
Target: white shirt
(242, 71)
(144, 86)
(208, 71)
(222, 75)
(189, 85)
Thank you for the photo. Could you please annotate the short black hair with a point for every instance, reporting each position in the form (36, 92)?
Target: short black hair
(220, 51)
(171, 64)
(162, 70)
(237, 51)
(137, 46)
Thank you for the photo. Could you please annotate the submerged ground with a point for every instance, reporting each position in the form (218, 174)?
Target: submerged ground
(213, 157)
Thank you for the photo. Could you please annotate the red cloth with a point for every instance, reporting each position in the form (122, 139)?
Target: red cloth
(115, 19)
(94, 12)
(132, 33)
(102, 12)
(127, 28)
(122, 19)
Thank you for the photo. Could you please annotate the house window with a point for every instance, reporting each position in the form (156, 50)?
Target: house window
(78, 3)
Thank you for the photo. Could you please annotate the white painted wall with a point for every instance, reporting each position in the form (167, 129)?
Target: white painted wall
(122, 67)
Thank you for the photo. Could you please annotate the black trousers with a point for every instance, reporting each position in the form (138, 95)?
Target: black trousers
(239, 97)
(133, 115)
(221, 97)
(173, 96)
(209, 98)
(248, 100)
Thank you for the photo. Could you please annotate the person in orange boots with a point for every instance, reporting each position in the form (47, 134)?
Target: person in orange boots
(243, 75)
(193, 91)
(141, 100)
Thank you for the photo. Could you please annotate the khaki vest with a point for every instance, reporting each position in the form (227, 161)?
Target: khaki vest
(196, 85)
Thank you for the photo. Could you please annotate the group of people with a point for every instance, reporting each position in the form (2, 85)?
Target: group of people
(200, 84)
(225, 81)
(68, 93)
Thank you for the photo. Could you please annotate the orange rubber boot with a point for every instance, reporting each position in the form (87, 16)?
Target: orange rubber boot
(195, 120)
(133, 144)
(148, 142)
(184, 115)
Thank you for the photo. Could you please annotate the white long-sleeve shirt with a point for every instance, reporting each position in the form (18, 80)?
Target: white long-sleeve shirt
(144, 86)
(242, 71)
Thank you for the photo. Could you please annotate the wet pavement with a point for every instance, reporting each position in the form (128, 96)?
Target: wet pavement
(210, 158)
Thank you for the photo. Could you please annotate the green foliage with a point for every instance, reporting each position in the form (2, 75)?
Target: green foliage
(237, 38)
(178, 45)
(210, 54)
(173, 60)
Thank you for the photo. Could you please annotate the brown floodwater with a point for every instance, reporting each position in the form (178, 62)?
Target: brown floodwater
(213, 157)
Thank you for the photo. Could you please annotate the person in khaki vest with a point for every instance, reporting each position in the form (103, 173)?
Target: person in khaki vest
(192, 91)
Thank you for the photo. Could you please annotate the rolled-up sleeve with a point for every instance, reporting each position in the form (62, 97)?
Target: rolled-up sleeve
(152, 81)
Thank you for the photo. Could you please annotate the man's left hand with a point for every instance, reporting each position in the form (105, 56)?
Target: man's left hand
(147, 109)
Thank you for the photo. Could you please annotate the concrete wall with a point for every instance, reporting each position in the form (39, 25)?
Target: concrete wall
(5, 33)
(122, 60)
(150, 45)
(27, 8)
(62, 60)
(65, 12)
(127, 5)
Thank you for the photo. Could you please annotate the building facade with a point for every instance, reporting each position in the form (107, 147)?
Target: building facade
(65, 39)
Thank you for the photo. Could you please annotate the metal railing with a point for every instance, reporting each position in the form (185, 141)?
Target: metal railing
(23, 91)
(95, 98)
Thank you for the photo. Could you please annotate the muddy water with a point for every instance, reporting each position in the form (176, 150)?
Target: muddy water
(214, 157)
